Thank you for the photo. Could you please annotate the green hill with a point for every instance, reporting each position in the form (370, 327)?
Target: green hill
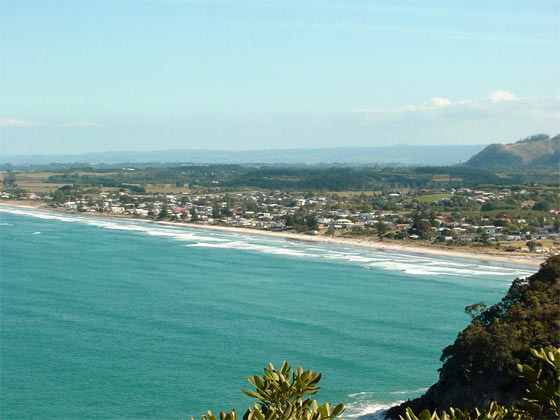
(477, 366)
(535, 152)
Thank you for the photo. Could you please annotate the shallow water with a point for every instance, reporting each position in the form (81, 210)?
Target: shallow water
(119, 319)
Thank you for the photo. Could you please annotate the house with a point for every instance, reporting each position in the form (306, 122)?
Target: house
(490, 230)
(466, 237)
(344, 222)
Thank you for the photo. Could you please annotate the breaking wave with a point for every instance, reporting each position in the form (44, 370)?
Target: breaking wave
(363, 406)
(366, 405)
(368, 258)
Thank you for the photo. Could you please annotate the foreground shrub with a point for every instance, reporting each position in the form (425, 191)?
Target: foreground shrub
(541, 401)
(281, 396)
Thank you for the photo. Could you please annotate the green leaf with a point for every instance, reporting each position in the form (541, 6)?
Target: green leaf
(337, 410)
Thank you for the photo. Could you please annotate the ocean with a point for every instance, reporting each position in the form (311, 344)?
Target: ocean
(114, 319)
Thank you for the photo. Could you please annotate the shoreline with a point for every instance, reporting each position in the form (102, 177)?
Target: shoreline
(518, 260)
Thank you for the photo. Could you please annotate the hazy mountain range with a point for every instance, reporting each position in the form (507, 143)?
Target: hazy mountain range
(401, 154)
(535, 152)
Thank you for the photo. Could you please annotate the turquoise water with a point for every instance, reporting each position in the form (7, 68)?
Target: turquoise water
(117, 319)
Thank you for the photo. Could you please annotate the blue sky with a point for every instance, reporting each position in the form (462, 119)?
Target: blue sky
(83, 76)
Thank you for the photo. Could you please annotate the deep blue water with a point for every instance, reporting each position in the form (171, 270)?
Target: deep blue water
(113, 319)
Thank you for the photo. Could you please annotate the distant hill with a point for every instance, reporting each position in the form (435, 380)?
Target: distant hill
(535, 152)
(401, 154)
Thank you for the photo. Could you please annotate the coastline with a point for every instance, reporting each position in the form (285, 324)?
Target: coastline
(519, 260)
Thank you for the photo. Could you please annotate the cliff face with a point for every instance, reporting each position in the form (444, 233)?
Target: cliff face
(476, 368)
(536, 152)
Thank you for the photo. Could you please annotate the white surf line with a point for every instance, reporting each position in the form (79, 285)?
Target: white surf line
(388, 260)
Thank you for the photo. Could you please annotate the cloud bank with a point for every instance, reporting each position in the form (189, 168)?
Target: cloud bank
(499, 106)
(12, 122)
(78, 124)
(499, 117)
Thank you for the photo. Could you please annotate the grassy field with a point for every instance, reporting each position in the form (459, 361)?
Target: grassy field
(31, 176)
(545, 242)
(34, 181)
(351, 194)
(432, 197)
(165, 188)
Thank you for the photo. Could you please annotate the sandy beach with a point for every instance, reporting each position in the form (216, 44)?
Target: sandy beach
(389, 246)
(522, 260)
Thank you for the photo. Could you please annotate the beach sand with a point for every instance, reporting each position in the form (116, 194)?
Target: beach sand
(523, 260)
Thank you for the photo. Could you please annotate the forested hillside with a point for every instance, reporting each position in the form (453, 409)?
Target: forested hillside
(477, 366)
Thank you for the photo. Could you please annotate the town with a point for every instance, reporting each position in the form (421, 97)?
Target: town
(513, 220)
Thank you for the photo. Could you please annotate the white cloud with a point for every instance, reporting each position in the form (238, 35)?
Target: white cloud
(499, 117)
(430, 105)
(437, 102)
(12, 122)
(502, 95)
(78, 124)
(499, 104)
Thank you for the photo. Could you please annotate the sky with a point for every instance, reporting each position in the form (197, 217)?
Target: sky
(81, 76)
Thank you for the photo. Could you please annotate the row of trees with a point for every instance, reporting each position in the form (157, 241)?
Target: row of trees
(309, 178)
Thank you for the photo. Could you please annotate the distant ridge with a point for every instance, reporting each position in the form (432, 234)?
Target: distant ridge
(401, 154)
(536, 152)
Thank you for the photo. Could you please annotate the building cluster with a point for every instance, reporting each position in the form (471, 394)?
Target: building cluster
(437, 216)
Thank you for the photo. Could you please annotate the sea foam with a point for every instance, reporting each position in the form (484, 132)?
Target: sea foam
(363, 406)
(367, 258)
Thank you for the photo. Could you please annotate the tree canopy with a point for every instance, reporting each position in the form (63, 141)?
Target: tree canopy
(476, 367)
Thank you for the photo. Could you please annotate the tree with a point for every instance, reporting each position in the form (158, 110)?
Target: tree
(433, 220)
(366, 207)
(476, 366)
(225, 211)
(9, 180)
(488, 206)
(532, 245)
(542, 399)
(194, 214)
(215, 209)
(475, 309)
(541, 206)
(163, 213)
(59, 196)
(381, 228)
(289, 220)
(484, 237)
(423, 229)
(280, 395)
(311, 221)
